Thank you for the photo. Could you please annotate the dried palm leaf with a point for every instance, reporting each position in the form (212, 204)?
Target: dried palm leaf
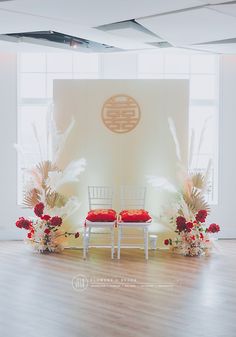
(54, 199)
(198, 180)
(35, 177)
(31, 198)
(196, 201)
(43, 168)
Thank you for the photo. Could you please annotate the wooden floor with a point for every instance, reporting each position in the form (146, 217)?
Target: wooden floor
(168, 296)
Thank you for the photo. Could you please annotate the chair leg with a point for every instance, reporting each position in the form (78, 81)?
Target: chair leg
(88, 238)
(85, 243)
(118, 243)
(112, 242)
(146, 242)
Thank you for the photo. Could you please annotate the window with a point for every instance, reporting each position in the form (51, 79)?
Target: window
(36, 72)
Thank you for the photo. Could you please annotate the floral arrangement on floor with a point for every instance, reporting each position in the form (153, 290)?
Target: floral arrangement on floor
(44, 192)
(192, 235)
(188, 209)
(44, 232)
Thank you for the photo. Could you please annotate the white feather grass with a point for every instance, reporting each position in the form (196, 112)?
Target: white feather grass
(21, 153)
(175, 138)
(56, 179)
(191, 148)
(161, 183)
(35, 132)
(202, 136)
(59, 138)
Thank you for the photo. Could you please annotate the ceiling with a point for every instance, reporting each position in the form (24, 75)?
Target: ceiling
(205, 25)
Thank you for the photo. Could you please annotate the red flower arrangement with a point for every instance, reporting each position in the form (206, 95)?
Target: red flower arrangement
(192, 237)
(43, 233)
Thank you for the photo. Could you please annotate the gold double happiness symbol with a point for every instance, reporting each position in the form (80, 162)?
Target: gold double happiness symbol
(121, 113)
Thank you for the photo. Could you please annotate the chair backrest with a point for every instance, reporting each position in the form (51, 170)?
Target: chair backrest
(100, 197)
(132, 197)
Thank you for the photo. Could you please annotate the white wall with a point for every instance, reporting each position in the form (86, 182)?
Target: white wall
(224, 212)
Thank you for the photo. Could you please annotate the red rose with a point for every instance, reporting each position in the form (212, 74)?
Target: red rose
(38, 209)
(201, 236)
(77, 235)
(46, 217)
(189, 226)
(23, 223)
(56, 221)
(47, 231)
(201, 215)
(193, 238)
(181, 223)
(213, 228)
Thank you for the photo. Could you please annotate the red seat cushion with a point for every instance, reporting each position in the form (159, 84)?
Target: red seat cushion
(101, 215)
(134, 215)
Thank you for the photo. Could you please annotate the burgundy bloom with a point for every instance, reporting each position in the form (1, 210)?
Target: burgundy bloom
(201, 215)
(29, 235)
(23, 223)
(213, 228)
(56, 221)
(166, 242)
(38, 209)
(45, 217)
(189, 226)
(47, 231)
(181, 223)
(77, 235)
